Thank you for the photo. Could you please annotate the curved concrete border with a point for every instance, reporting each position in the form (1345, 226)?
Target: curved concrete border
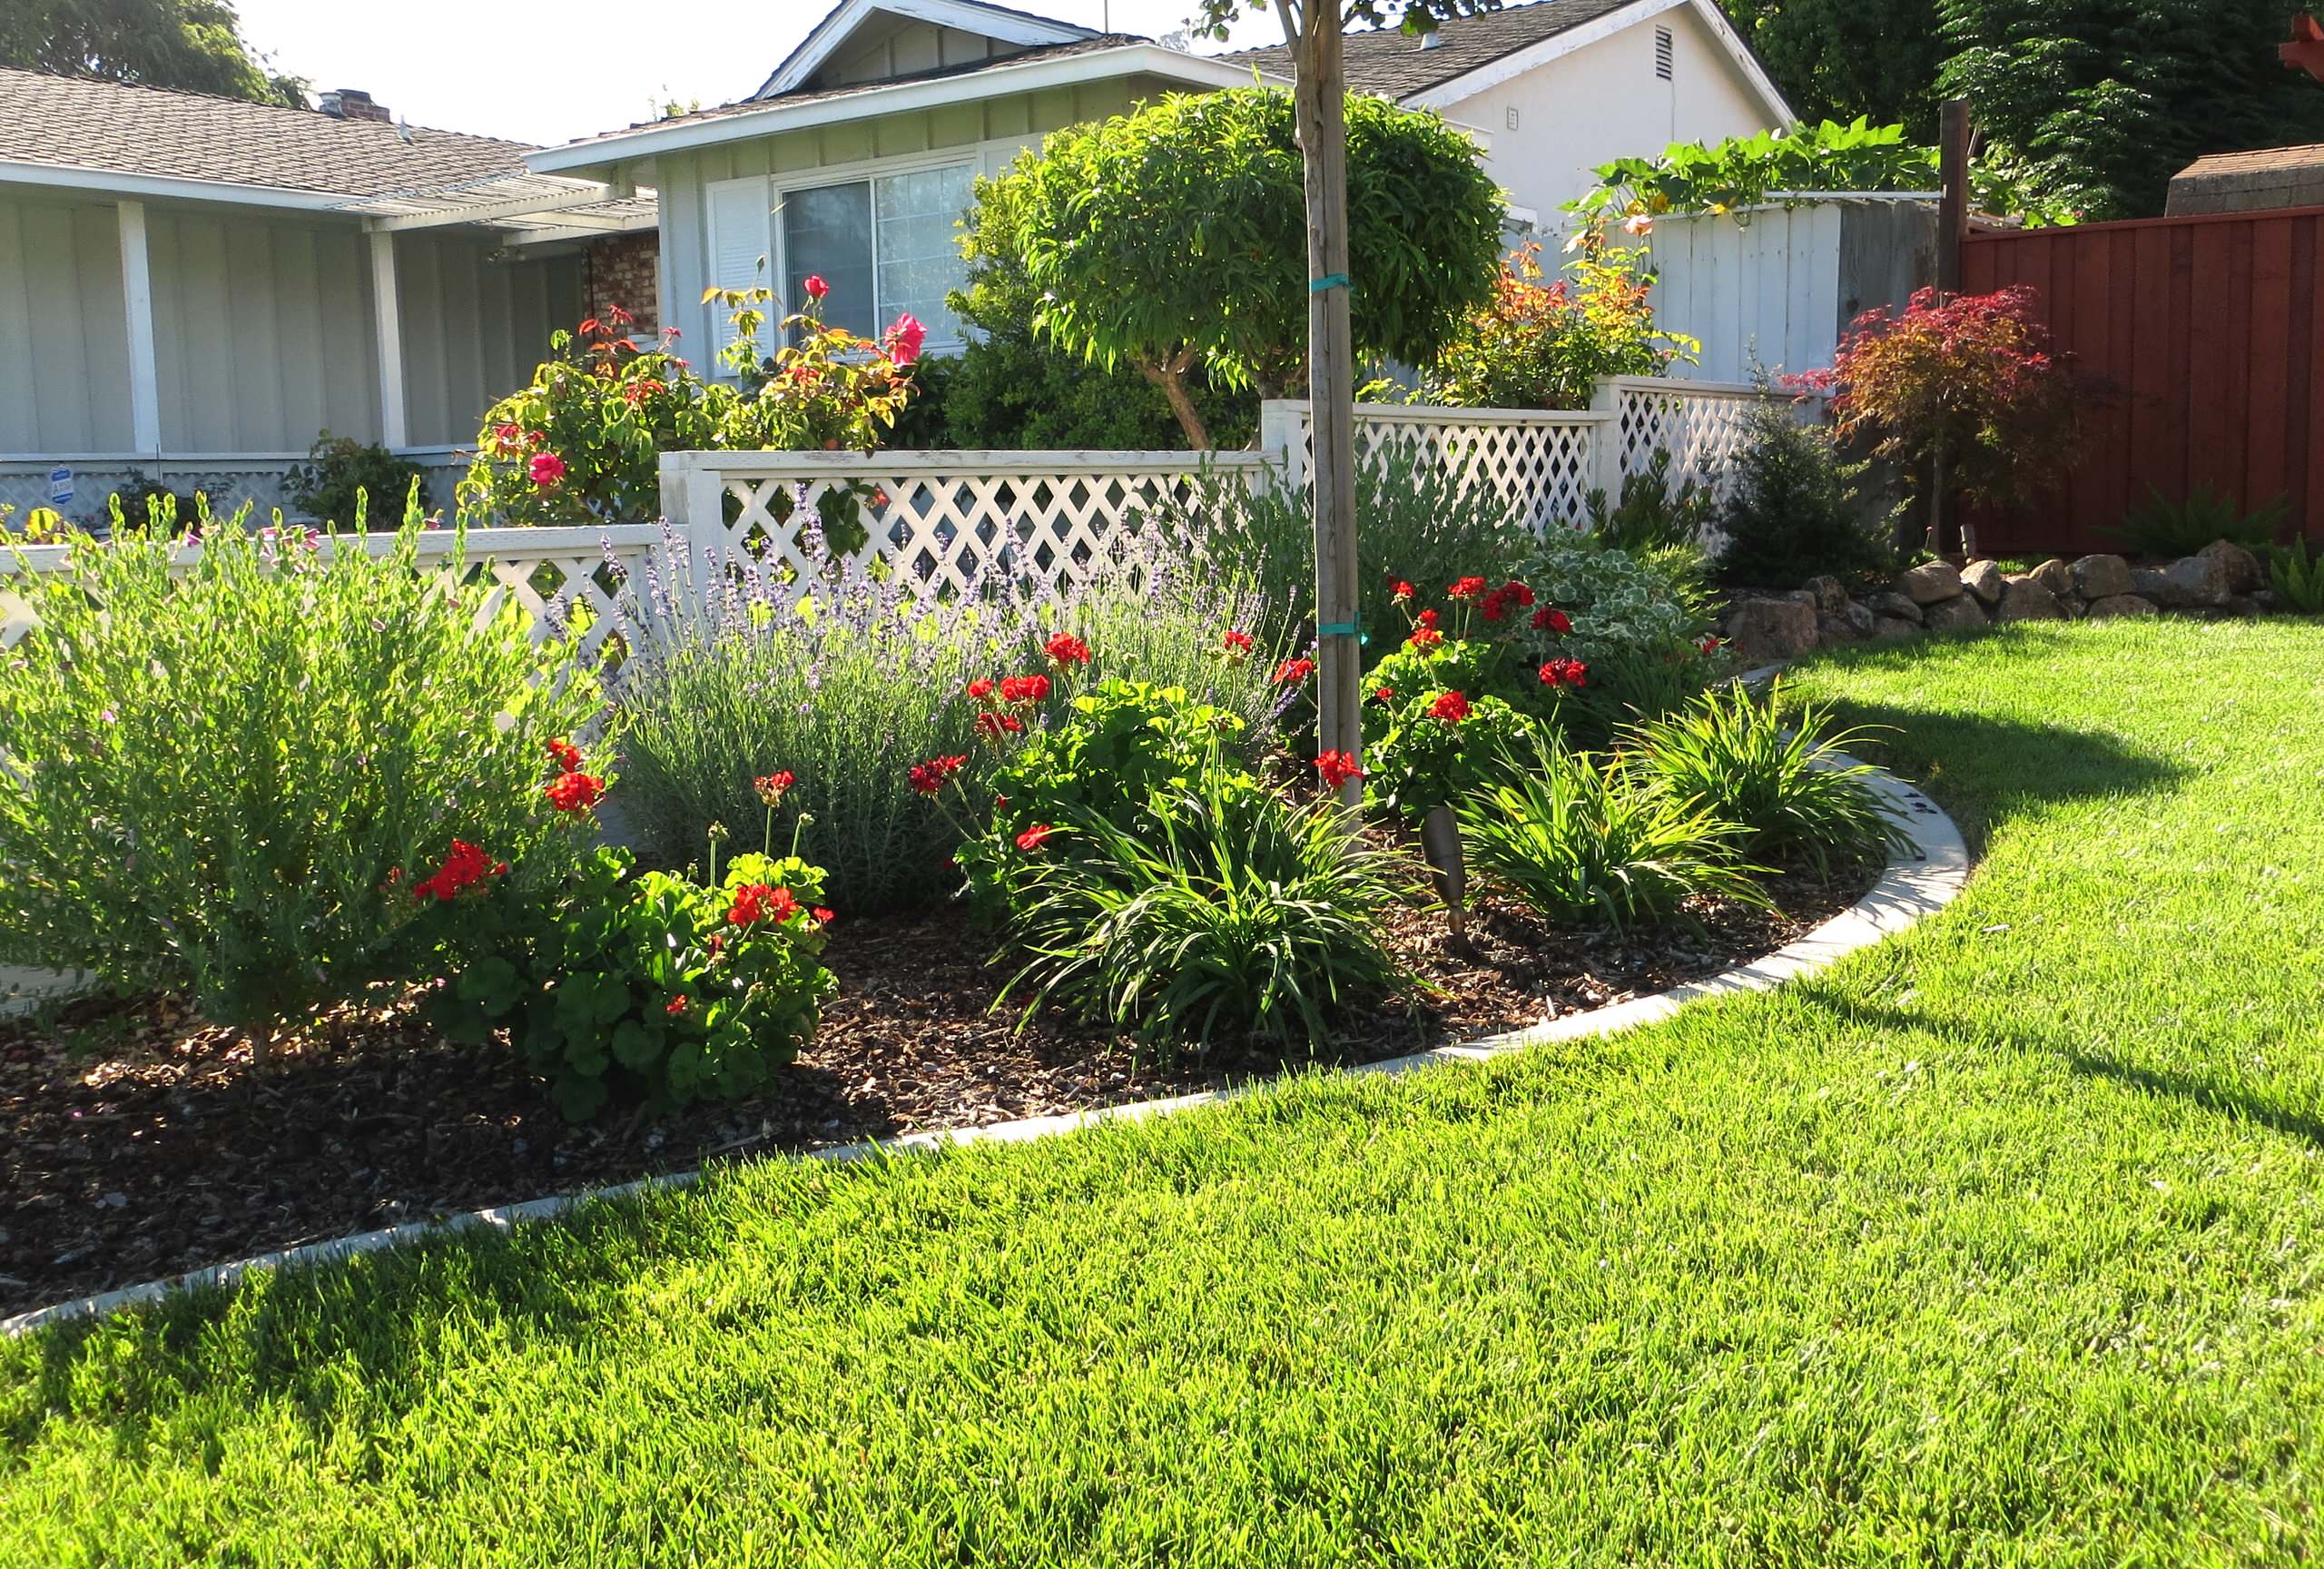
(1920, 879)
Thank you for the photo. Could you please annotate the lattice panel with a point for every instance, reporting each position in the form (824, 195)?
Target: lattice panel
(958, 530)
(1701, 430)
(1542, 468)
(15, 618)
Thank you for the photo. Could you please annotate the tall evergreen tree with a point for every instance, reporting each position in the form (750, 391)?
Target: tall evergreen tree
(2105, 100)
(1837, 59)
(195, 44)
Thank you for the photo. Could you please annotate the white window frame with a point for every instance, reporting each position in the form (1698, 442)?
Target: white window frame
(869, 173)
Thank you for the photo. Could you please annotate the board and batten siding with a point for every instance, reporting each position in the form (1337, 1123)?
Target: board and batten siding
(708, 195)
(1774, 288)
(263, 335)
(62, 335)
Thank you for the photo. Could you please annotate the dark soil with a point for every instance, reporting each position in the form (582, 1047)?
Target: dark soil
(136, 1142)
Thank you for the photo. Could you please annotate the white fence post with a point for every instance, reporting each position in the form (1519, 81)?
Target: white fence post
(1283, 440)
(1606, 466)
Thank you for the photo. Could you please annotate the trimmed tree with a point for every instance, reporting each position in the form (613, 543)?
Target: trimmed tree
(1170, 239)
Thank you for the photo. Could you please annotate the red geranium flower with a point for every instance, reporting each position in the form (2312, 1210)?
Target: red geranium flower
(1033, 838)
(928, 777)
(1550, 619)
(1425, 618)
(1065, 649)
(981, 688)
(994, 725)
(1234, 646)
(1401, 592)
(1450, 707)
(1337, 768)
(1565, 673)
(574, 791)
(823, 916)
(1710, 645)
(755, 902)
(545, 469)
(771, 787)
(675, 1005)
(1292, 670)
(1466, 588)
(1025, 689)
(1385, 693)
(1424, 638)
(465, 866)
(564, 755)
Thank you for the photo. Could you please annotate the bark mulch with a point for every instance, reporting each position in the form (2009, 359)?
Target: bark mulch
(135, 1143)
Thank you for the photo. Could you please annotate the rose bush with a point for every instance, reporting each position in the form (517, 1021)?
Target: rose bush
(1536, 345)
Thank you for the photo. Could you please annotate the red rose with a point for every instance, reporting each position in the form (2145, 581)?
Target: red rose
(814, 286)
(545, 469)
(903, 339)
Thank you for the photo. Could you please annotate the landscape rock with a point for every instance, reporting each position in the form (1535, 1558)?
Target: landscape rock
(2024, 598)
(1852, 625)
(1902, 607)
(2102, 577)
(1983, 579)
(2193, 583)
(1762, 630)
(2146, 582)
(1929, 583)
(2242, 605)
(1959, 614)
(2242, 568)
(1895, 628)
(2114, 604)
(1830, 593)
(2056, 576)
(2266, 601)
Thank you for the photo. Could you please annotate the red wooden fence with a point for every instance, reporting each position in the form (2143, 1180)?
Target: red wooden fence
(2198, 339)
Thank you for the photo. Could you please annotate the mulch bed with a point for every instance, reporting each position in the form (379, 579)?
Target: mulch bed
(138, 1145)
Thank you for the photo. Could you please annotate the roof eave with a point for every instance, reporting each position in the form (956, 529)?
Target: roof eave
(902, 98)
(116, 183)
(824, 38)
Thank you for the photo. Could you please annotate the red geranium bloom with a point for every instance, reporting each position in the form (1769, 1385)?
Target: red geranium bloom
(1033, 838)
(1424, 638)
(464, 867)
(823, 916)
(564, 755)
(1236, 647)
(981, 688)
(1385, 693)
(928, 777)
(1450, 707)
(1401, 592)
(675, 1005)
(1425, 618)
(1550, 619)
(995, 725)
(545, 469)
(1025, 689)
(1565, 673)
(574, 791)
(1065, 649)
(1466, 588)
(1710, 645)
(1337, 768)
(771, 787)
(813, 286)
(755, 902)
(1292, 670)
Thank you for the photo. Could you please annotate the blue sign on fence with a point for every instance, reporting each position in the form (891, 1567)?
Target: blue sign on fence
(60, 487)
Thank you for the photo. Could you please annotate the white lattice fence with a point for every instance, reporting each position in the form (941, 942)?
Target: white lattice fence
(1701, 424)
(1543, 462)
(555, 574)
(949, 520)
(259, 480)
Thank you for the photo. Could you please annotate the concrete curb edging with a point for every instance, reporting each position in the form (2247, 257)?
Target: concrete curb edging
(1919, 880)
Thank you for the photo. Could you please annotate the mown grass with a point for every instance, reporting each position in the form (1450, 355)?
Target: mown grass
(1998, 1244)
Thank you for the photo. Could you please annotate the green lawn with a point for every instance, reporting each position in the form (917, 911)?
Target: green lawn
(1997, 1244)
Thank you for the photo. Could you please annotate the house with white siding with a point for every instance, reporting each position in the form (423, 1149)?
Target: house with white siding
(855, 158)
(193, 287)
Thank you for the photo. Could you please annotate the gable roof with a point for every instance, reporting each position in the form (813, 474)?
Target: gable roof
(1002, 23)
(89, 123)
(1393, 63)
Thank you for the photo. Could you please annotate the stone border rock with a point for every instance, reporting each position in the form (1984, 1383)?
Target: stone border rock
(1918, 881)
(2222, 579)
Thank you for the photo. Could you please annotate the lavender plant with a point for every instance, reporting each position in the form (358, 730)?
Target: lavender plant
(849, 673)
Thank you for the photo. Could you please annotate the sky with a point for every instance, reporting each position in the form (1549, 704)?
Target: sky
(548, 71)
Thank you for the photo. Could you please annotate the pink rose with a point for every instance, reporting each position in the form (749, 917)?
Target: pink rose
(814, 285)
(547, 468)
(904, 338)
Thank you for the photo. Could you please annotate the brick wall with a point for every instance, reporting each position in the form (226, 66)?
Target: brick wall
(623, 269)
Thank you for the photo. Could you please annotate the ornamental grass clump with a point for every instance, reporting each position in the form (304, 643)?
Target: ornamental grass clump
(1783, 781)
(854, 673)
(239, 772)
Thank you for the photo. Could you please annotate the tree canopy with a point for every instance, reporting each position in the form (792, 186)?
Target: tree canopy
(1173, 238)
(1841, 59)
(193, 45)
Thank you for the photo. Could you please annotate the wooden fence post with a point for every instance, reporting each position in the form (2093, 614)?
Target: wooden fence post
(1951, 223)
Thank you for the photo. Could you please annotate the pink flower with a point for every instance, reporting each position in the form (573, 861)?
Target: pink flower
(547, 468)
(1638, 223)
(903, 339)
(814, 286)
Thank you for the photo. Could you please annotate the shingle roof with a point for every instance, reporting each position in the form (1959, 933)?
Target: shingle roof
(86, 123)
(1394, 64)
(817, 95)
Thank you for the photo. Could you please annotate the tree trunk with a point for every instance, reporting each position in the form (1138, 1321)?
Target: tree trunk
(1322, 114)
(1172, 380)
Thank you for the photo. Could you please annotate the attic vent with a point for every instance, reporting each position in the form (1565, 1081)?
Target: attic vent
(1662, 52)
(1431, 39)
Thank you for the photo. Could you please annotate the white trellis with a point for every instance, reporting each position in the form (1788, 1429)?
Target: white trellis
(1543, 462)
(1701, 424)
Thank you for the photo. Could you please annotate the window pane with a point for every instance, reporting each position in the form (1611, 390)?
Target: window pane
(920, 258)
(828, 230)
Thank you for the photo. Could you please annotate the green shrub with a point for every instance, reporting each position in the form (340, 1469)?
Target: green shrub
(865, 682)
(1649, 604)
(1797, 511)
(345, 481)
(1738, 757)
(1431, 723)
(2297, 574)
(2162, 528)
(1245, 915)
(1536, 345)
(1649, 516)
(222, 779)
(1579, 838)
(655, 988)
